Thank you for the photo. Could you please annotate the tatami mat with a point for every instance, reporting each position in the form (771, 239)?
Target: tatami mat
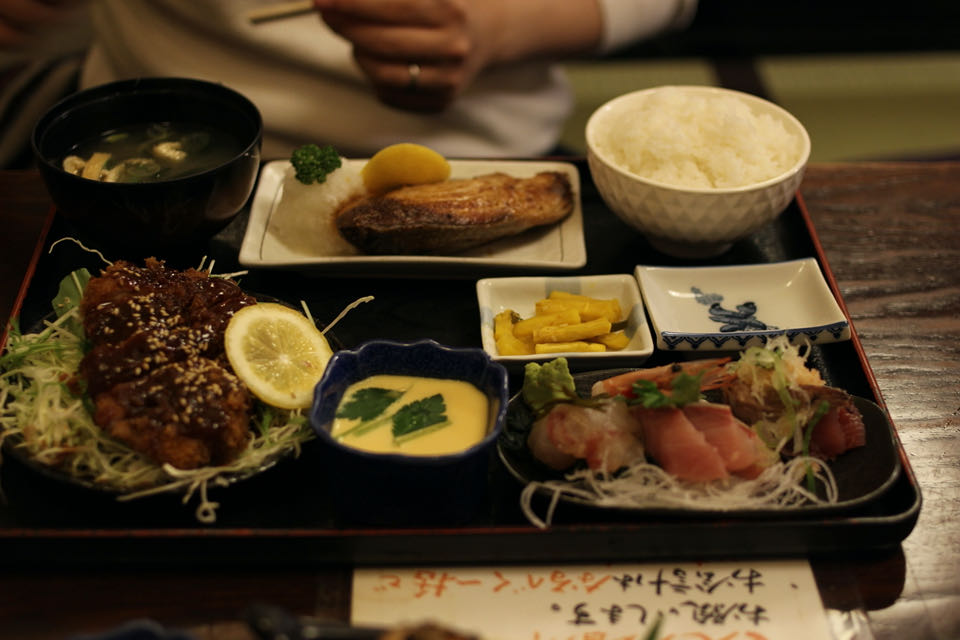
(855, 107)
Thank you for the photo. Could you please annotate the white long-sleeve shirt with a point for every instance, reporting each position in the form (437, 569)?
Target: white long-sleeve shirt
(308, 88)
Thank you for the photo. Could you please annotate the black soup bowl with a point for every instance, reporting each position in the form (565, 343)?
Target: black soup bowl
(135, 219)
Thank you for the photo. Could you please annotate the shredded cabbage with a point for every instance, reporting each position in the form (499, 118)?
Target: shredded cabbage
(41, 415)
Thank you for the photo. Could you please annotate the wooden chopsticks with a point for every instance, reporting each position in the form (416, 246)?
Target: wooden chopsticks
(279, 11)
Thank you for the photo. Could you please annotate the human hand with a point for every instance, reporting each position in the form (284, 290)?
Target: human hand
(418, 54)
(20, 19)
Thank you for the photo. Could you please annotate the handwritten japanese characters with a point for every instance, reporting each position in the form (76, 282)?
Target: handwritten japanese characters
(693, 601)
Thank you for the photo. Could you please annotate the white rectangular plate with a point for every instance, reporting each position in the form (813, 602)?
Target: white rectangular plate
(556, 247)
(520, 294)
(733, 307)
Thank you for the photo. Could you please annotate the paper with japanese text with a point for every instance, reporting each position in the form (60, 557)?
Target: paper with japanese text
(766, 600)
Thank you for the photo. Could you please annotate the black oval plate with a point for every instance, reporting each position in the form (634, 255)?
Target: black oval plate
(11, 448)
(862, 474)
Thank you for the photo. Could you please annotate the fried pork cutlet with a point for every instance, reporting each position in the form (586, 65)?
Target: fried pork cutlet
(125, 299)
(190, 414)
(157, 371)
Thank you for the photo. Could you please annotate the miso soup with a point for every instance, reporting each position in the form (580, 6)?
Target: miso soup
(151, 152)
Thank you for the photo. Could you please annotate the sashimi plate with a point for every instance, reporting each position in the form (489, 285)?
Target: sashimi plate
(862, 474)
(556, 247)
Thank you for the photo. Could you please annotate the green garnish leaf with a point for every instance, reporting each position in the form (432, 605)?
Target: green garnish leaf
(195, 141)
(367, 404)
(69, 295)
(654, 632)
(684, 390)
(419, 414)
(266, 419)
(400, 440)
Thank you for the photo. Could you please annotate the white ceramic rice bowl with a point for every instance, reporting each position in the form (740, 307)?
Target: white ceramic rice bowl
(691, 222)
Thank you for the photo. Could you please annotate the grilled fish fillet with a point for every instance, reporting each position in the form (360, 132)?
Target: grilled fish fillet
(454, 215)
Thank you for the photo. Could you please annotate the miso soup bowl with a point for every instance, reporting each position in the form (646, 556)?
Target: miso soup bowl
(135, 219)
(398, 489)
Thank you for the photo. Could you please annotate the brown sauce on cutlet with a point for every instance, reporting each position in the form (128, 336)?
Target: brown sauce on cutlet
(156, 370)
(189, 414)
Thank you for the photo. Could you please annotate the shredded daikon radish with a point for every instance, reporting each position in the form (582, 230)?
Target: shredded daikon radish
(647, 486)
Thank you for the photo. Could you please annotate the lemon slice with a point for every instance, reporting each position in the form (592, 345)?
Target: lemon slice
(403, 164)
(277, 352)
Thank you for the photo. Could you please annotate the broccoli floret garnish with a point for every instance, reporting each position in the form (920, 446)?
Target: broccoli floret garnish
(314, 163)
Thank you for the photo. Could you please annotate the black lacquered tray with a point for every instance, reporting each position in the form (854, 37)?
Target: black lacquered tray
(285, 515)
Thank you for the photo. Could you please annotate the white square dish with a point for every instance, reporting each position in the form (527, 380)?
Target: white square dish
(520, 294)
(734, 307)
(557, 247)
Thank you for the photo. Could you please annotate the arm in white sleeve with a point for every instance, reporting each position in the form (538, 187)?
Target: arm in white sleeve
(628, 21)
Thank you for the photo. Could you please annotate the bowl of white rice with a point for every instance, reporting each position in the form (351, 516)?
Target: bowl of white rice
(695, 168)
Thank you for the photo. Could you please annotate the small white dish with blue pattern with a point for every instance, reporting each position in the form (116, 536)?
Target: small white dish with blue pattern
(730, 308)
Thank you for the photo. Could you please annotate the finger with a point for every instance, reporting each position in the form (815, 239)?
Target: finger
(418, 101)
(28, 13)
(10, 36)
(400, 43)
(401, 75)
(424, 12)
(424, 88)
(406, 43)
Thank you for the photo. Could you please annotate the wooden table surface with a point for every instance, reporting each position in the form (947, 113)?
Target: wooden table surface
(891, 232)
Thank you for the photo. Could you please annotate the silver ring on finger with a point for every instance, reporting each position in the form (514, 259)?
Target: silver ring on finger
(413, 69)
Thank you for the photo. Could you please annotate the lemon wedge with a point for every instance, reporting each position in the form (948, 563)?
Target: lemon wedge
(403, 164)
(277, 352)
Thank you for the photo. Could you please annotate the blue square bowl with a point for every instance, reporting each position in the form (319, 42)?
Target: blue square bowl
(380, 488)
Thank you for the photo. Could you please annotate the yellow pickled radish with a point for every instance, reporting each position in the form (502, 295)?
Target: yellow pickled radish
(278, 353)
(404, 164)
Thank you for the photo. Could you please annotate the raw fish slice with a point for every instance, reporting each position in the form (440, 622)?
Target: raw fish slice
(542, 445)
(735, 442)
(677, 446)
(605, 437)
(840, 429)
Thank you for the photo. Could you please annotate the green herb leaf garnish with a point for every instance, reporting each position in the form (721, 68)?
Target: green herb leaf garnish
(654, 632)
(418, 415)
(367, 404)
(684, 390)
(68, 297)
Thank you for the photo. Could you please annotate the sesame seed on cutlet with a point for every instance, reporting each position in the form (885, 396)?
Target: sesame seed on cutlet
(175, 352)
